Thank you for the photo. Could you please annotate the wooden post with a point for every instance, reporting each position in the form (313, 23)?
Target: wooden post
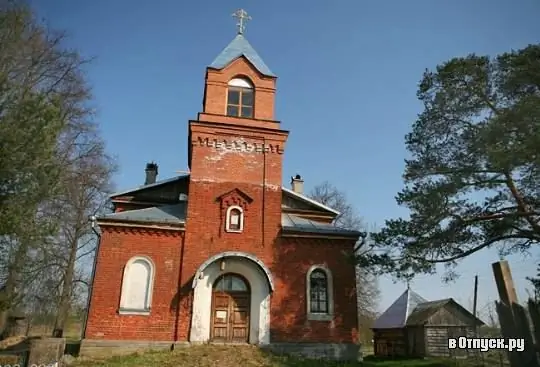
(505, 284)
(475, 301)
(512, 317)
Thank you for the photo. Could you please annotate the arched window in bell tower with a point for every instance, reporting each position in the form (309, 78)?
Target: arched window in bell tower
(240, 98)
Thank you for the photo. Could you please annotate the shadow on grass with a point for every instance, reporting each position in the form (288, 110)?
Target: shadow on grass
(243, 356)
(372, 361)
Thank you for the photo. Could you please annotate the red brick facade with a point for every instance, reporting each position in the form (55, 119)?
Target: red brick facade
(255, 178)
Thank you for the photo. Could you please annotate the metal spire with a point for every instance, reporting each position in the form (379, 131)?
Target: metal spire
(243, 18)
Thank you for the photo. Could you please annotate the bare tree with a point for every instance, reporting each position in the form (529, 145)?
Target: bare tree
(368, 293)
(45, 125)
(87, 183)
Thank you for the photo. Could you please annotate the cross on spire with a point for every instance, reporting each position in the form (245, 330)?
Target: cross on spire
(243, 18)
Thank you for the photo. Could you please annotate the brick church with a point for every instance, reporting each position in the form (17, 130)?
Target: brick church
(225, 253)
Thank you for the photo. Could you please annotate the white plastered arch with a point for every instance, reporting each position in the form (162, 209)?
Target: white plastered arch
(261, 285)
(240, 82)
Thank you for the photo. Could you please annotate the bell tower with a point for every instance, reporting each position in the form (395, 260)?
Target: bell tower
(236, 134)
(235, 156)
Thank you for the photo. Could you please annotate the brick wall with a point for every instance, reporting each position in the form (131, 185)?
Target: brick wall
(293, 258)
(118, 245)
(288, 258)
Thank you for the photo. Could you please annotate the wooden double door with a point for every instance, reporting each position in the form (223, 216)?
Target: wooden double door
(231, 300)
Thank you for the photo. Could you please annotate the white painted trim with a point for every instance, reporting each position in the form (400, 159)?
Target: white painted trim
(123, 310)
(311, 201)
(127, 311)
(320, 316)
(240, 83)
(199, 274)
(228, 219)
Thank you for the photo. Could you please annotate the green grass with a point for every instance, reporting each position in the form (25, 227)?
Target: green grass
(245, 356)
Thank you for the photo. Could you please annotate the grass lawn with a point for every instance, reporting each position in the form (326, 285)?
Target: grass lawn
(243, 356)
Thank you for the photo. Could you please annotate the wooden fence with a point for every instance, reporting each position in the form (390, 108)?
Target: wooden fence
(517, 321)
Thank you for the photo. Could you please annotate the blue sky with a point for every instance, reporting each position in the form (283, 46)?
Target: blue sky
(348, 73)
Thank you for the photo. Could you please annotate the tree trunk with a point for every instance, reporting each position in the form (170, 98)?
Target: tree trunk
(7, 293)
(67, 288)
(5, 306)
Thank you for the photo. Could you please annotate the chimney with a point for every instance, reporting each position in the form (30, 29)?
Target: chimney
(297, 184)
(151, 173)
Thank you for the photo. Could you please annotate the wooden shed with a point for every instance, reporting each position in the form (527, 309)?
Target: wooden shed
(414, 327)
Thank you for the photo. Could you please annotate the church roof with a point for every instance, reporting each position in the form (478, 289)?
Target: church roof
(144, 187)
(396, 316)
(176, 214)
(294, 223)
(169, 214)
(172, 180)
(238, 47)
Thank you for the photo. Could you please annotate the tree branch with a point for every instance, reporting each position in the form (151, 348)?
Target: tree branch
(468, 252)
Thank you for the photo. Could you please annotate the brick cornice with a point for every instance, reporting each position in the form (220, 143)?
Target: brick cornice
(150, 230)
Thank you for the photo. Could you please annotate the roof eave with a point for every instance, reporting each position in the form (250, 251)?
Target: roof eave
(144, 187)
(221, 66)
(329, 233)
(311, 201)
(140, 223)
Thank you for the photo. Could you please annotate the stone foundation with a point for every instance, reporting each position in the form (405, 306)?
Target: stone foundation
(330, 351)
(46, 351)
(343, 352)
(98, 348)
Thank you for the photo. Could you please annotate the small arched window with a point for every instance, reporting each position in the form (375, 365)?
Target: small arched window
(320, 298)
(235, 219)
(318, 284)
(231, 283)
(137, 286)
(240, 98)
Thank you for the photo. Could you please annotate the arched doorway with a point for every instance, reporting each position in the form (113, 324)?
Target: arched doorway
(231, 298)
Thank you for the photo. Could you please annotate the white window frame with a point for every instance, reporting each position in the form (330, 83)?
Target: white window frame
(328, 316)
(240, 83)
(228, 219)
(125, 309)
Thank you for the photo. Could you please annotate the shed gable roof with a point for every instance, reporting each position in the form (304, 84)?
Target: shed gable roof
(424, 311)
(411, 309)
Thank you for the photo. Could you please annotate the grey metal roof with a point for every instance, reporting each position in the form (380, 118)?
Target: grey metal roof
(294, 223)
(397, 314)
(240, 46)
(142, 187)
(309, 200)
(170, 214)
